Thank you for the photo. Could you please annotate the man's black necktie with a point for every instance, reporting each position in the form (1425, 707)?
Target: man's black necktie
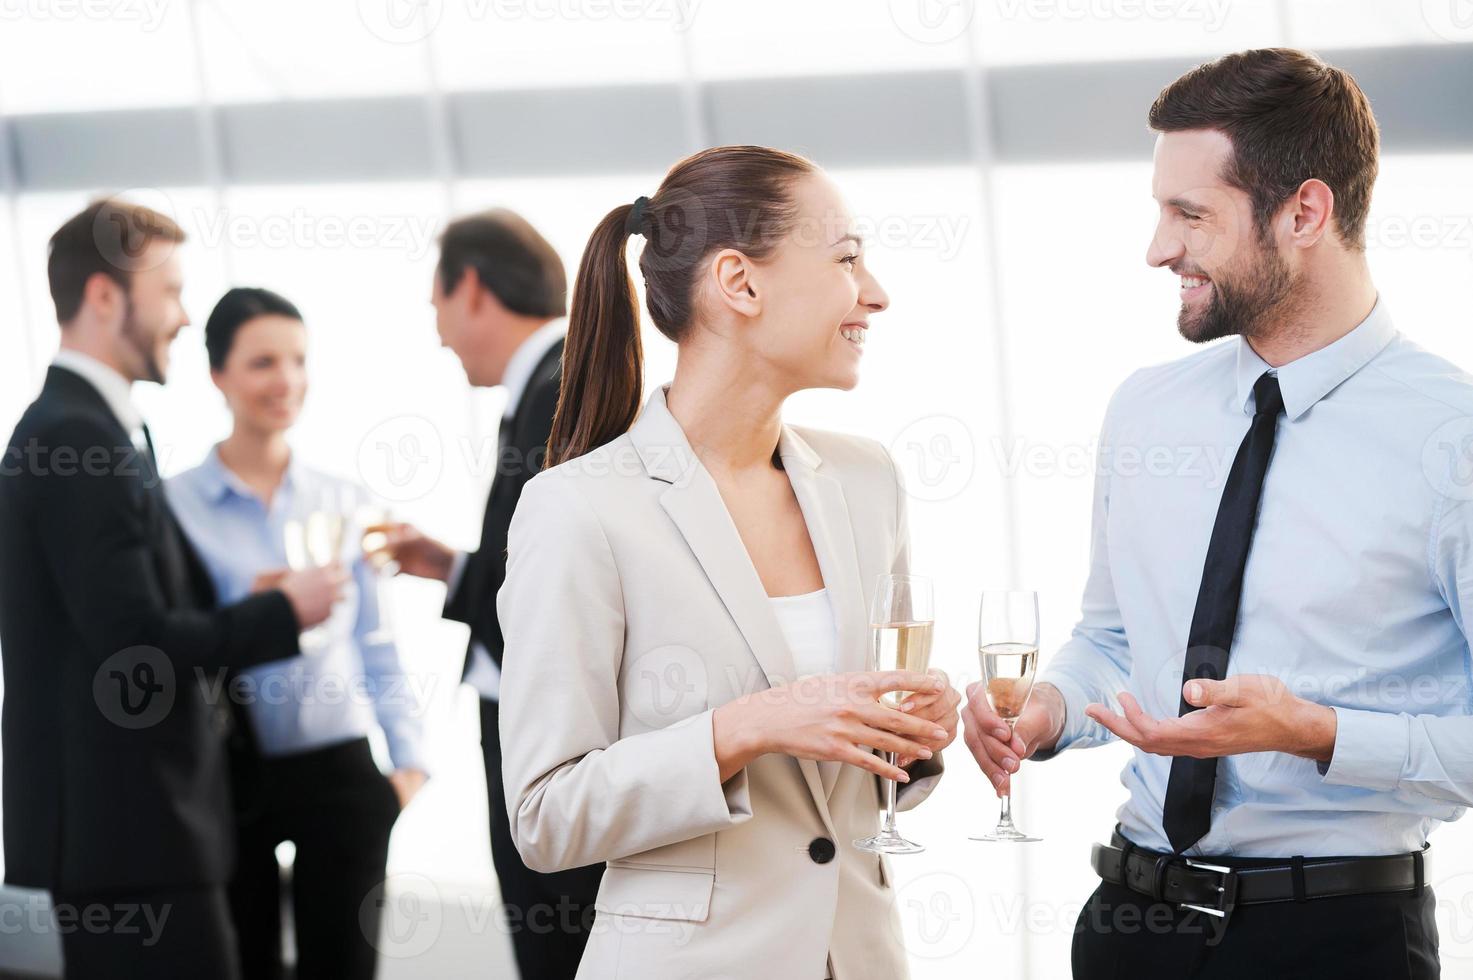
(1188, 810)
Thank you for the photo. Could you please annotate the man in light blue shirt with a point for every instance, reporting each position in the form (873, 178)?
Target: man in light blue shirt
(1329, 717)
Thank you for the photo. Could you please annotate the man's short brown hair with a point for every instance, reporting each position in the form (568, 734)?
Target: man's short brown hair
(109, 237)
(512, 261)
(1290, 117)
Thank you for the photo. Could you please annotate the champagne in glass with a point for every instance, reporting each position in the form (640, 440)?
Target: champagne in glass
(901, 621)
(902, 646)
(324, 536)
(315, 541)
(1007, 645)
(371, 520)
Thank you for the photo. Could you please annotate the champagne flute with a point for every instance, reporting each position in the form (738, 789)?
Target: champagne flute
(312, 542)
(1007, 644)
(371, 519)
(901, 620)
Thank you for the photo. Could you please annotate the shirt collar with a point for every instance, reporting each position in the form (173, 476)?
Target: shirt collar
(219, 480)
(1306, 380)
(116, 390)
(525, 358)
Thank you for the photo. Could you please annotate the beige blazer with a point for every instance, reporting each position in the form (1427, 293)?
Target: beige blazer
(631, 610)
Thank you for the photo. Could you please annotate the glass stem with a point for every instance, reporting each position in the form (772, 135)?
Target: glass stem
(891, 787)
(1005, 819)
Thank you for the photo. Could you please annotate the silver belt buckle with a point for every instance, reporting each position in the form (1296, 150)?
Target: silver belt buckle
(1227, 890)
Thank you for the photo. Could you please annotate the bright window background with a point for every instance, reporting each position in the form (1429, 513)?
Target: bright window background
(1020, 299)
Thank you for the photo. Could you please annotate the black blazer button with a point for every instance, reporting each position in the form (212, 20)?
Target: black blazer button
(821, 850)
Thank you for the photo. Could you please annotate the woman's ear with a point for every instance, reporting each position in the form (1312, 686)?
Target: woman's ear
(734, 277)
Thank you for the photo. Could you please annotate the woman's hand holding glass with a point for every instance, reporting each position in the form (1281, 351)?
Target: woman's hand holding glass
(942, 708)
(831, 718)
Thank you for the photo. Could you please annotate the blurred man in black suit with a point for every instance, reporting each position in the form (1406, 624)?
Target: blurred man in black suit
(500, 297)
(115, 719)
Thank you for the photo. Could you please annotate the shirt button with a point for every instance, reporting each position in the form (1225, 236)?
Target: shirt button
(821, 850)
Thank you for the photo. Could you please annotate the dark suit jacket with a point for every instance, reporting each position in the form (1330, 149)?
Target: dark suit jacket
(115, 773)
(520, 456)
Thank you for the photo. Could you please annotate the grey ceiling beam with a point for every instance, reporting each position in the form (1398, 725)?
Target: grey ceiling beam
(1039, 113)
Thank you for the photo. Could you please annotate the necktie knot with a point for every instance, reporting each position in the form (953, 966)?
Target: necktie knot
(1267, 399)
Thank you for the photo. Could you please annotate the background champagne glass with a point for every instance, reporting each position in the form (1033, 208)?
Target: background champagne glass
(315, 541)
(1007, 645)
(901, 622)
(372, 518)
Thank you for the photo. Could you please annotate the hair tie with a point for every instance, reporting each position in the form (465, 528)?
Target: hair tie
(634, 224)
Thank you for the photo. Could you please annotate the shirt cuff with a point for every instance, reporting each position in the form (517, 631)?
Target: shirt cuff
(1078, 727)
(456, 573)
(1371, 749)
(406, 747)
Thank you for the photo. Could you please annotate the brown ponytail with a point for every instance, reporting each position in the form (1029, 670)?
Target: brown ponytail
(726, 197)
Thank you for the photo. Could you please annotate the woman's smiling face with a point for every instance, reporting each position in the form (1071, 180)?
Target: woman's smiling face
(817, 295)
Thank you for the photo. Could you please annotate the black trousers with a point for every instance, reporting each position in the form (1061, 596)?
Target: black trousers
(548, 916)
(161, 934)
(338, 809)
(1123, 935)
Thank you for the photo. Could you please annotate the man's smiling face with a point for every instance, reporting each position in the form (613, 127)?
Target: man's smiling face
(1232, 278)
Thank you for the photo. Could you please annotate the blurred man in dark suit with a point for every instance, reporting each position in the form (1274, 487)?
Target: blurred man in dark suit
(115, 720)
(500, 297)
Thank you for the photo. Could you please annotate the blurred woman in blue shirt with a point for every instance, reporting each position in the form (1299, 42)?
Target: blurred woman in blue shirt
(310, 776)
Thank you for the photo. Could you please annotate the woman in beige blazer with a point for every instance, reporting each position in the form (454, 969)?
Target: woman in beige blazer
(663, 708)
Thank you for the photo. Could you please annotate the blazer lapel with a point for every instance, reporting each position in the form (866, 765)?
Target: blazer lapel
(826, 513)
(695, 506)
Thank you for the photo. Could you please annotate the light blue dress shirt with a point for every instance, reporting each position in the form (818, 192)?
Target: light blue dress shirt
(1353, 593)
(325, 697)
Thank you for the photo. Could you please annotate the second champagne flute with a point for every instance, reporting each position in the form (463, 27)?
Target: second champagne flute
(1007, 644)
(901, 621)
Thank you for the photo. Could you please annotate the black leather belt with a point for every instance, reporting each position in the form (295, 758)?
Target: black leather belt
(1216, 885)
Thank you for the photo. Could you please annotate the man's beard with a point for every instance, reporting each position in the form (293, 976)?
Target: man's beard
(1241, 305)
(143, 346)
